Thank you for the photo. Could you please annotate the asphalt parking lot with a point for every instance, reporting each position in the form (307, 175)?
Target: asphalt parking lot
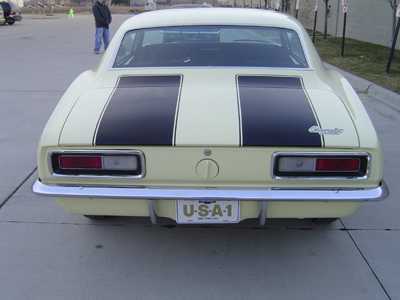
(46, 253)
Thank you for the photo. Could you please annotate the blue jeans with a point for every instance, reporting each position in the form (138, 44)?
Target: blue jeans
(102, 33)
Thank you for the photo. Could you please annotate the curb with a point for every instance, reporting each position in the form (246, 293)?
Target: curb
(362, 85)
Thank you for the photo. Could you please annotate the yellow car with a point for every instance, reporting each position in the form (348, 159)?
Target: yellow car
(211, 115)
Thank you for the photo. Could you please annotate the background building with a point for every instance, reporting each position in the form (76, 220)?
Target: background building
(367, 20)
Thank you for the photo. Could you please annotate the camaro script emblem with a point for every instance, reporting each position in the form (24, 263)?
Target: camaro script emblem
(317, 129)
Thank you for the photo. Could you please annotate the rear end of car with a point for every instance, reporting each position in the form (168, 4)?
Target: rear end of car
(211, 123)
(12, 12)
(207, 174)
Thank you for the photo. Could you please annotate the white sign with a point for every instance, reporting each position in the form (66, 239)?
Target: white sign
(204, 211)
(297, 4)
(344, 3)
(398, 11)
(316, 5)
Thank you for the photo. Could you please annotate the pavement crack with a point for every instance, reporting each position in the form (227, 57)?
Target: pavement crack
(366, 261)
(17, 188)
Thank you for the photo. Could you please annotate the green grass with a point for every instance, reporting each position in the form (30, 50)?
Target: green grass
(363, 59)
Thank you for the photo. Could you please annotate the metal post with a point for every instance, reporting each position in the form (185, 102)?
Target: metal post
(344, 32)
(315, 20)
(326, 20)
(152, 212)
(263, 213)
(315, 25)
(393, 46)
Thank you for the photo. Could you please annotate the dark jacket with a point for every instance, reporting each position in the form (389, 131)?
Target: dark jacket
(102, 15)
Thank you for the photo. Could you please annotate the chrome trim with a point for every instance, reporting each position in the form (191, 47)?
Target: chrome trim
(321, 131)
(98, 152)
(115, 51)
(213, 67)
(274, 155)
(178, 193)
(263, 213)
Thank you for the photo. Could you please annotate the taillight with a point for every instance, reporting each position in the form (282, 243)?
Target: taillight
(97, 163)
(308, 165)
(11, 14)
(80, 162)
(337, 164)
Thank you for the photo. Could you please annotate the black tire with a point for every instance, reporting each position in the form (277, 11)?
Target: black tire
(324, 220)
(95, 217)
(11, 22)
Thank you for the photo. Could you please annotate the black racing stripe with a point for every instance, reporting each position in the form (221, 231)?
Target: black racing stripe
(275, 111)
(140, 112)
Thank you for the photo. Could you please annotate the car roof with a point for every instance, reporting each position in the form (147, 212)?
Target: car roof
(8, 4)
(191, 5)
(211, 16)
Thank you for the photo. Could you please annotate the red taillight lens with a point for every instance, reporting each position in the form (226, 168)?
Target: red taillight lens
(80, 162)
(315, 165)
(98, 163)
(337, 164)
(11, 14)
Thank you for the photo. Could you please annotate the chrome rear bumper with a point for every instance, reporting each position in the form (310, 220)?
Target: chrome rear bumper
(174, 193)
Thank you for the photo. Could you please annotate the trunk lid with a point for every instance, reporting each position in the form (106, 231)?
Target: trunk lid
(192, 110)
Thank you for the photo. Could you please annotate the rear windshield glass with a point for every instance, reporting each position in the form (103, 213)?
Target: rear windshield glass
(14, 7)
(237, 46)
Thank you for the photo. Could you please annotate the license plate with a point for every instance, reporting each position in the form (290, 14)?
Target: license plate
(202, 211)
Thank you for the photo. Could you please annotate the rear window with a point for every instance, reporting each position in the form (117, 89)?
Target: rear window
(208, 46)
(14, 7)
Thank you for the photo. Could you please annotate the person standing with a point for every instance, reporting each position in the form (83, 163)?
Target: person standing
(102, 18)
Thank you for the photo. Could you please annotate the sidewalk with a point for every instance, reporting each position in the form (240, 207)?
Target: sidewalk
(361, 85)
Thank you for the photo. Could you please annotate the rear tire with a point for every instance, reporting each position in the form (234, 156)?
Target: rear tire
(95, 217)
(324, 220)
(11, 22)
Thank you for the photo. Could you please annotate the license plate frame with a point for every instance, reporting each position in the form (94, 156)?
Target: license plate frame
(207, 211)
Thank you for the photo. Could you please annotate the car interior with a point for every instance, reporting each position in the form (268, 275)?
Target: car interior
(205, 46)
